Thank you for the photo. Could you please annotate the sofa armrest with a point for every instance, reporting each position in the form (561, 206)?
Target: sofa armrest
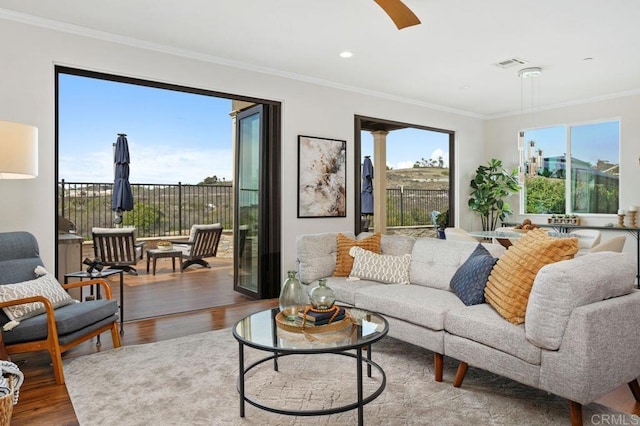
(600, 350)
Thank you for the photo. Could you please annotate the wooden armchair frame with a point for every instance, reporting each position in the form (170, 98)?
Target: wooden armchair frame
(116, 247)
(51, 343)
(204, 244)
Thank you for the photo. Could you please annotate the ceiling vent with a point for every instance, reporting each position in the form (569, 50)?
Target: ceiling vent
(511, 62)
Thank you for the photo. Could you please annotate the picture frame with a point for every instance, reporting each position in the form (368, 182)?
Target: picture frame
(322, 177)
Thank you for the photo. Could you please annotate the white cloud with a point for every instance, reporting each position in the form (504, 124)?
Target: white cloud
(167, 164)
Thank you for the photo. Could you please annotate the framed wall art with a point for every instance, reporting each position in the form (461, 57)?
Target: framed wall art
(322, 177)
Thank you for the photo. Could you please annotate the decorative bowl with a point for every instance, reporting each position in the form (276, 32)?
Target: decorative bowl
(165, 245)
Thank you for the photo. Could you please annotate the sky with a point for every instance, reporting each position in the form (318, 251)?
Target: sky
(406, 146)
(175, 136)
(589, 142)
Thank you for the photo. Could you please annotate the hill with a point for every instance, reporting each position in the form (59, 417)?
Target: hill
(418, 178)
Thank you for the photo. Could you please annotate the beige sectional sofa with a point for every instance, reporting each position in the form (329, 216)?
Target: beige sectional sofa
(580, 339)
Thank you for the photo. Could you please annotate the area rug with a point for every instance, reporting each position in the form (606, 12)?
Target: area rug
(192, 381)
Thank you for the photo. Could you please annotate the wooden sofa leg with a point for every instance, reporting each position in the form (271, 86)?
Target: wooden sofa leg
(576, 413)
(438, 366)
(635, 389)
(462, 371)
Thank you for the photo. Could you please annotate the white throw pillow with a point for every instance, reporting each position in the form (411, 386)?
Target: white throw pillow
(380, 267)
(45, 285)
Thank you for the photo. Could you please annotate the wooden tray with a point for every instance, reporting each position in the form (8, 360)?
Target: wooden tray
(298, 328)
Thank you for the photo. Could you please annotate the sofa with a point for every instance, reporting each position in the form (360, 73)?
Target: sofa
(579, 340)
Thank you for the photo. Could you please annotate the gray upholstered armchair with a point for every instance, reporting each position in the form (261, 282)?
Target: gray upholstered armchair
(38, 314)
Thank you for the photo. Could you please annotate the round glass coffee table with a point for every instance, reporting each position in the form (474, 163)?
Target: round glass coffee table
(262, 331)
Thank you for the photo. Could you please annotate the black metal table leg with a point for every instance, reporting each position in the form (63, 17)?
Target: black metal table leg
(241, 377)
(359, 378)
(369, 358)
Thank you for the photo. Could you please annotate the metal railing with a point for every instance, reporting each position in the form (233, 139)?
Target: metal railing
(159, 209)
(169, 210)
(413, 207)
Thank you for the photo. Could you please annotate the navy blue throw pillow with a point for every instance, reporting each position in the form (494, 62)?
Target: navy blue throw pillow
(470, 279)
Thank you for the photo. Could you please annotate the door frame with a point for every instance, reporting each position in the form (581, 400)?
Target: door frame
(369, 123)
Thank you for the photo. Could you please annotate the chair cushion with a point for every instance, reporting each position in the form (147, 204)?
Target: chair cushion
(69, 319)
(470, 279)
(379, 267)
(511, 279)
(45, 285)
(344, 261)
(194, 228)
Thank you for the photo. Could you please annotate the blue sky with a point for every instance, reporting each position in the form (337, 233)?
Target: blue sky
(175, 136)
(589, 142)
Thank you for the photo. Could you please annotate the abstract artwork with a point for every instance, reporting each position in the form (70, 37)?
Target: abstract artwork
(322, 175)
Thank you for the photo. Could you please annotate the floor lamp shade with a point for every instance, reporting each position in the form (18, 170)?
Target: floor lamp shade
(18, 151)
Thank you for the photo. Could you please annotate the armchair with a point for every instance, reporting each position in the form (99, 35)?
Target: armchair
(117, 248)
(57, 329)
(203, 242)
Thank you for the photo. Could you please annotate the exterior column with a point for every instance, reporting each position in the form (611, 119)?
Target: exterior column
(380, 180)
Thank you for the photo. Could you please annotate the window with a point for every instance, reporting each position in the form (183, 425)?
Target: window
(571, 169)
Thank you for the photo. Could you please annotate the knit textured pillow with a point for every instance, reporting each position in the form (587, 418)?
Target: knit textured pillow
(45, 285)
(512, 277)
(344, 261)
(383, 268)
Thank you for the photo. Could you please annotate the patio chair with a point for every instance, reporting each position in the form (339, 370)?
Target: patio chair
(56, 323)
(117, 248)
(203, 242)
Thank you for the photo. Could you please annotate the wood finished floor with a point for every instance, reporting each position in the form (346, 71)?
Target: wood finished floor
(42, 402)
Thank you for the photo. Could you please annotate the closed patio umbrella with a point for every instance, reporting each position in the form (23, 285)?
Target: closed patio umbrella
(366, 195)
(122, 197)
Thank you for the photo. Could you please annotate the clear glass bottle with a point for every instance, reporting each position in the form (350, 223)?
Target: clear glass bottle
(322, 297)
(293, 297)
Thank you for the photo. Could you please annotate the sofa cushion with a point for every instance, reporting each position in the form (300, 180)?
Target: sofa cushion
(345, 289)
(395, 245)
(44, 285)
(484, 325)
(470, 279)
(316, 255)
(384, 268)
(419, 305)
(433, 261)
(511, 279)
(563, 286)
(344, 261)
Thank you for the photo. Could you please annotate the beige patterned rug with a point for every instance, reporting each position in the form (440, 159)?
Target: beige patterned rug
(192, 381)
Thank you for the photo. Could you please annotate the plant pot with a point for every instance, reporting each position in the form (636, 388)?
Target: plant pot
(441, 234)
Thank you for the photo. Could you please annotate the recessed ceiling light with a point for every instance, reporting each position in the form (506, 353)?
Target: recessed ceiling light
(346, 54)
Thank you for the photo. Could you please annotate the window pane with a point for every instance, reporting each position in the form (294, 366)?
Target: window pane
(545, 170)
(595, 167)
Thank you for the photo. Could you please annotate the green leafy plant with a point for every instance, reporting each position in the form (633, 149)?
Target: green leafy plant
(442, 220)
(489, 187)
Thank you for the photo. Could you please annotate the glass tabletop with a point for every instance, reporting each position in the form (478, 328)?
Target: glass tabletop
(515, 234)
(261, 330)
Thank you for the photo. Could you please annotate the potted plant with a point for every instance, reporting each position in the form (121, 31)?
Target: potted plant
(489, 187)
(442, 221)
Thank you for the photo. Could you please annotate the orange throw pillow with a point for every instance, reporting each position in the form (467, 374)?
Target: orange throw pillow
(344, 261)
(512, 277)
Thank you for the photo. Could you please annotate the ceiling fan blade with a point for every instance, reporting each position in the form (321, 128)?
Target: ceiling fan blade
(399, 13)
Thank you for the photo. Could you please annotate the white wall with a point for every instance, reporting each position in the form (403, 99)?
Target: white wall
(27, 95)
(501, 142)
